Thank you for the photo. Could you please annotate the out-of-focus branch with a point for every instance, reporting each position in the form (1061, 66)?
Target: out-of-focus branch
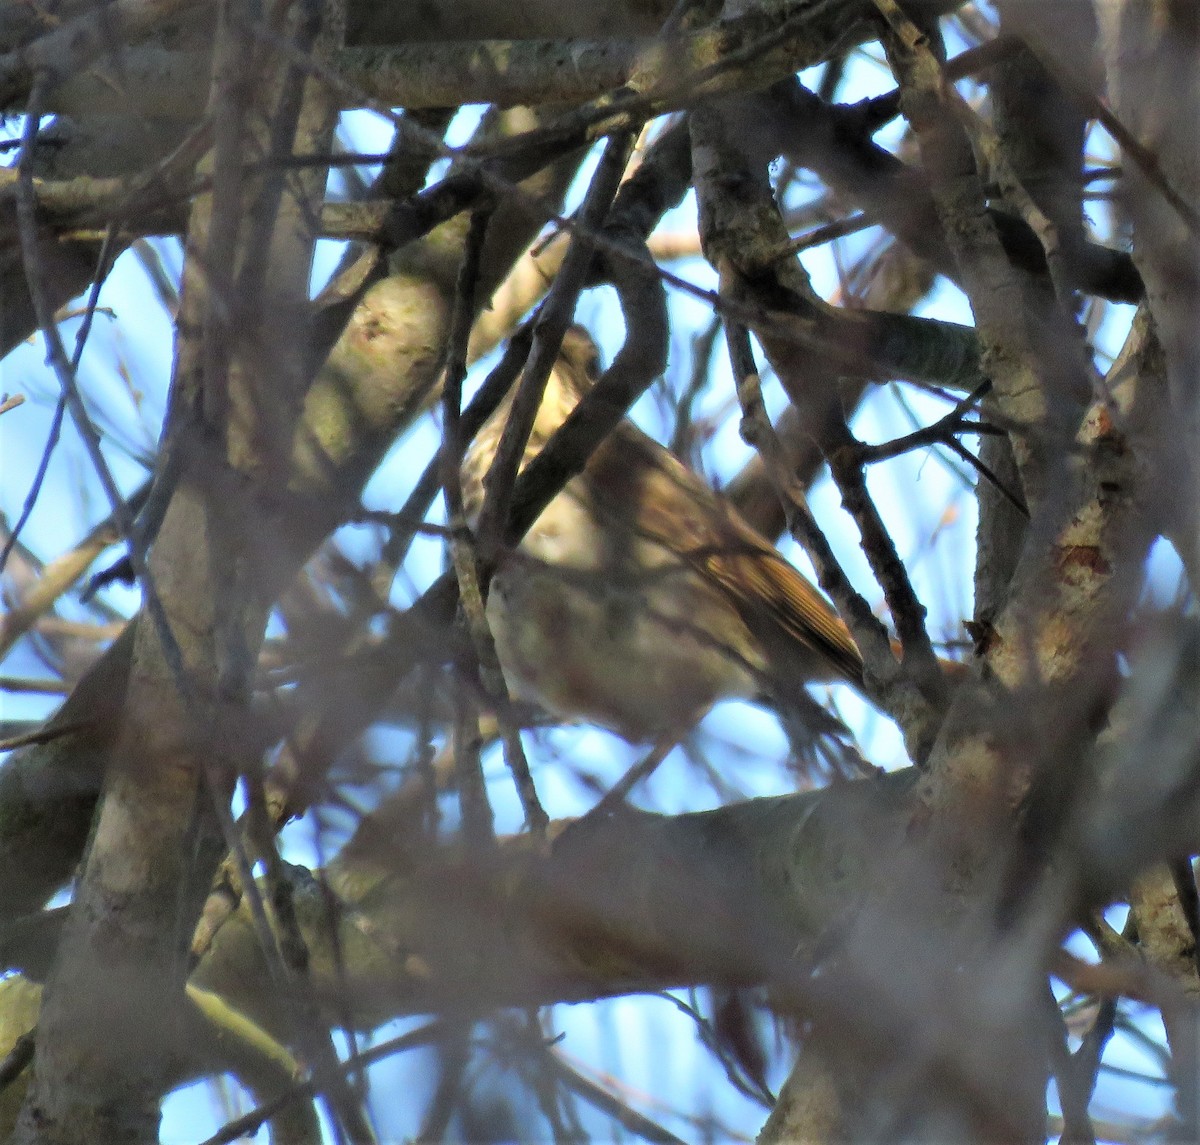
(59, 576)
(1040, 382)
(743, 236)
(354, 691)
(529, 72)
(607, 897)
(1154, 85)
(68, 49)
(835, 143)
(236, 394)
(379, 376)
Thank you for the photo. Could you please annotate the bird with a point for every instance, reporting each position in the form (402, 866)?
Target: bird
(640, 596)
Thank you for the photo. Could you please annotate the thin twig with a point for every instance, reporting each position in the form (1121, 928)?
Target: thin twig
(1076, 1073)
(711, 1039)
(944, 432)
(48, 687)
(28, 234)
(56, 352)
(869, 633)
(1074, 79)
(462, 542)
(401, 521)
(907, 611)
(103, 266)
(829, 339)
(248, 1124)
(478, 825)
(45, 734)
(555, 316)
(937, 434)
(987, 473)
(485, 403)
(839, 229)
(607, 1102)
(60, 574)
(455, 1047)
(618, 793)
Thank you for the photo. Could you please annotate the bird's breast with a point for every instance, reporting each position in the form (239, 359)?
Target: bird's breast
(622, 635)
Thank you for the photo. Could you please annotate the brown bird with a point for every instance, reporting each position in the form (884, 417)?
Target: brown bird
(640, 597)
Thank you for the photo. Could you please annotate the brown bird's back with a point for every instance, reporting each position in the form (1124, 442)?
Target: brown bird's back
(640, 597)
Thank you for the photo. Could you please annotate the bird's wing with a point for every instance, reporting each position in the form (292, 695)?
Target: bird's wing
(678, 510)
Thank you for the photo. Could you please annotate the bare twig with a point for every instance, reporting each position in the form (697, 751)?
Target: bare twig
(483, 405)
(455, 1048)
(37, 687)
(937, 434)
(462, 544)
(869, 633)
(839, 229)
(478, 826)
(60, 574)
(836, 336)
(616, 795)
(40, 735)
(104, 265)
(548, 334)
(62, 365)
(250, 1123)
(607, 1102)
(1068, 73)
(944, 432)
(907, 611)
